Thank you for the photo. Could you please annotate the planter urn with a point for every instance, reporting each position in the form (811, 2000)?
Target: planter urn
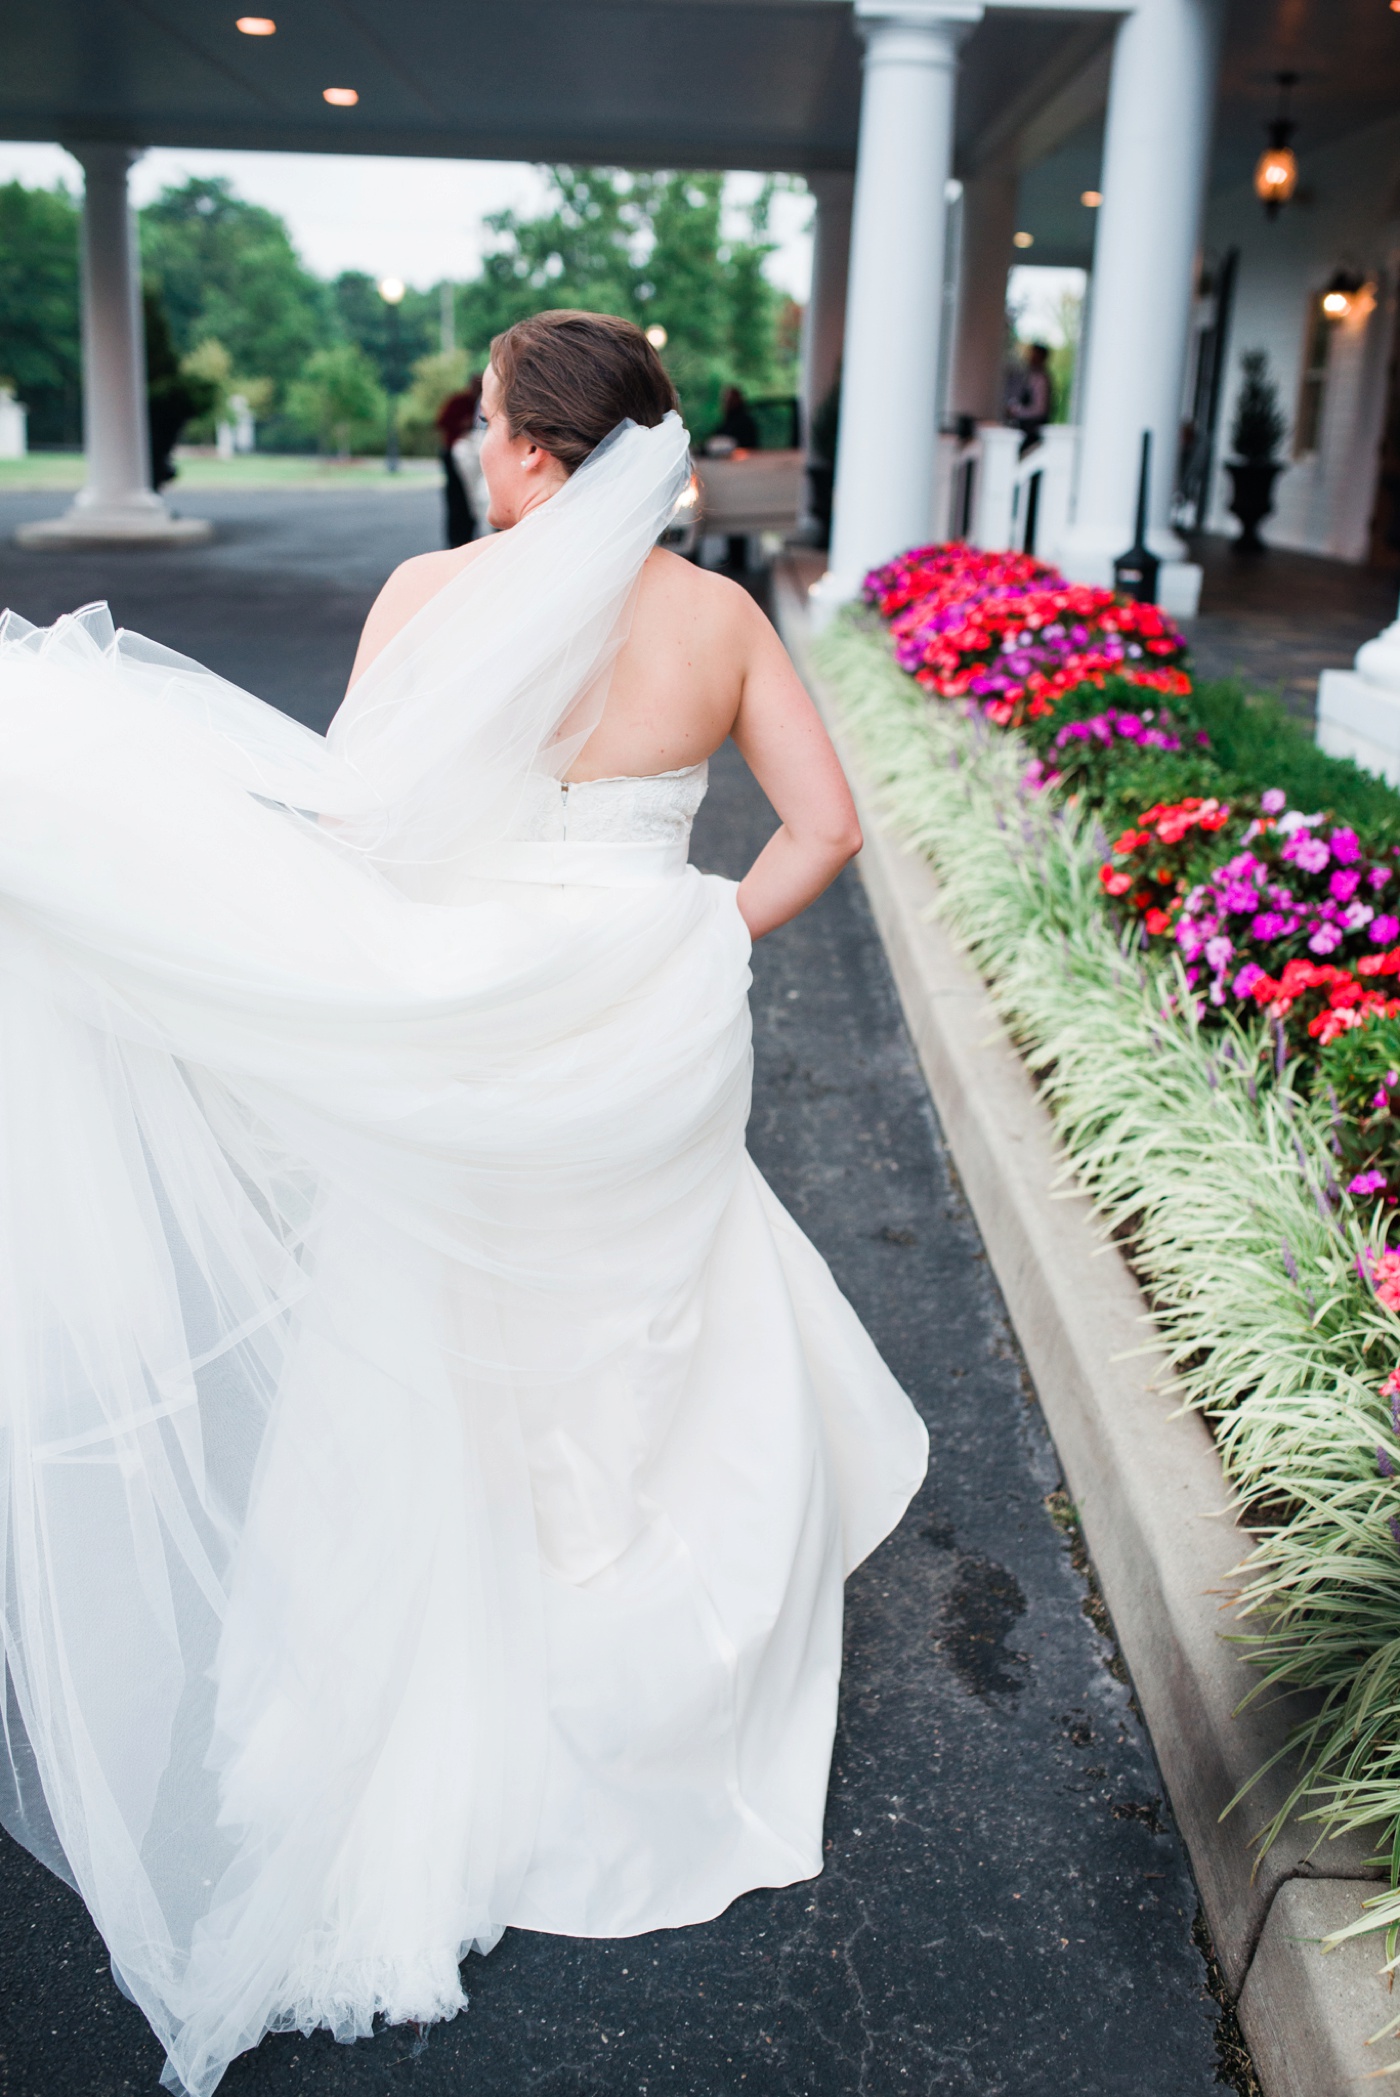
(1252, 500)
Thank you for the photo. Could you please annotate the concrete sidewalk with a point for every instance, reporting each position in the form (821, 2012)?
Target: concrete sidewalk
(1006, 1909)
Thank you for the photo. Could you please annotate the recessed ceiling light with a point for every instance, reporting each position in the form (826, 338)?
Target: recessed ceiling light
(1092, 197)
(340, 97)
(1023, 240)
(255, 25)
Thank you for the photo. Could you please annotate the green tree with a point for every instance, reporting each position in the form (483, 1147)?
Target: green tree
(361, 316)
(339, 401)
(653, 248)
(434, 378)
(40, 327)
(227, 268)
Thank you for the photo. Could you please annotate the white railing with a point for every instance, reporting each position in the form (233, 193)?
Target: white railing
(987, 493)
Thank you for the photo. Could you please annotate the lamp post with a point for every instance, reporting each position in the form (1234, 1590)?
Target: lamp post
(391, 290)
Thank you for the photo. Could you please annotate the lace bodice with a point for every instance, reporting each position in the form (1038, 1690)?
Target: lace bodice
(657, 810)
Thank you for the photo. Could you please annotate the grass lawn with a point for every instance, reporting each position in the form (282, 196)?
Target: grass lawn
(45, 470)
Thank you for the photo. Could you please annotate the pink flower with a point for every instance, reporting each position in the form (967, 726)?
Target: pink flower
(1385, 1272)
(1384, 930)
(1373, 1182)
(1344, 883)
(1391, 1387)
(1274, 801)
(1308, 852)
(1346, 847)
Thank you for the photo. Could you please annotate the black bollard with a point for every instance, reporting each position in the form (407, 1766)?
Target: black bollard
(1135, 572)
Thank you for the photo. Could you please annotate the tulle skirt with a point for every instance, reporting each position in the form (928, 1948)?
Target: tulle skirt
(431, 1455)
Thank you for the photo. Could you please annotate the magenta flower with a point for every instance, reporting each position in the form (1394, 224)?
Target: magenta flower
(1345, 882)
(1372, 1182)
(1346, 847)
(1383, 930)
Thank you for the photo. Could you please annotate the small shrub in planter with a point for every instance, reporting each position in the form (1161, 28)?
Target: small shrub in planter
(1256, 437)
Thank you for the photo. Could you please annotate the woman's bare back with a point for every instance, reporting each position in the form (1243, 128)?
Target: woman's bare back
(679, 679)
(700, 663)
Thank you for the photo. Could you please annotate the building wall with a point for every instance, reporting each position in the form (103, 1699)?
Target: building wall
(1346, 216)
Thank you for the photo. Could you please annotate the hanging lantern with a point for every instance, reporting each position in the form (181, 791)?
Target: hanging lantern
(1276, 170)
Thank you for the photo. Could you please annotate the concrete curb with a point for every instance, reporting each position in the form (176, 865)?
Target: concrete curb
(1149, 1490)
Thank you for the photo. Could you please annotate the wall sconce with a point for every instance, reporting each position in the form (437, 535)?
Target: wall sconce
(1276, 170)
(1340, 296)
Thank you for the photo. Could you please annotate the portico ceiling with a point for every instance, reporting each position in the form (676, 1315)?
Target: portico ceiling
(705, 83)
(699, 83)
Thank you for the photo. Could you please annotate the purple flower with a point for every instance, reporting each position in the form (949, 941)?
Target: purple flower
(1378, 876)
(1380, 1101)
(1372, 1182)
(1345, 882)
(1325, 940)
(1346, 847)
(1308, 852)
(1218, 951)
(1383, 930)
(1246, 979)
(1384, 1464)
(1274, 801)
(1268, 925)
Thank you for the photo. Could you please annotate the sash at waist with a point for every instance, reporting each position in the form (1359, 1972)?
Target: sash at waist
(585, 864)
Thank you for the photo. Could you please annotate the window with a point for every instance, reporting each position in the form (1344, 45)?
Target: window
(1312, 394)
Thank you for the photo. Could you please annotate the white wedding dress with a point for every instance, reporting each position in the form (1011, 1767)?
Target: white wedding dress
(430, 1456)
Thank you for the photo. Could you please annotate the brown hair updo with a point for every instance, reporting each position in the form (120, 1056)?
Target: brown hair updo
(567, 379)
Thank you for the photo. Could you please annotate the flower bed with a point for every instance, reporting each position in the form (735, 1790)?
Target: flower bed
(1185, 910)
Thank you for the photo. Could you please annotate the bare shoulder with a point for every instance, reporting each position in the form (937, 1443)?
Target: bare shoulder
(411, 585)
(679, 590)
(424, 574)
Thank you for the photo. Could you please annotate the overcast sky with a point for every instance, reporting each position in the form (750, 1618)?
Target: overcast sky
(416, 219)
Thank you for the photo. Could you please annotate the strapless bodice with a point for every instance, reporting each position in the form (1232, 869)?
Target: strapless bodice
(656, 810)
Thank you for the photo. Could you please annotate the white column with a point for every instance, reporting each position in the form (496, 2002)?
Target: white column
(1156, 148)
(889, 413)
(117, 505)
(1358, 710)
(979, 353)
(825, 324)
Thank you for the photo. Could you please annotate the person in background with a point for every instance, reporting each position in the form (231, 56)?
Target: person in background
(737, 432)
(1030, 398)
(736, 420)
(466, 452)
(455, 419)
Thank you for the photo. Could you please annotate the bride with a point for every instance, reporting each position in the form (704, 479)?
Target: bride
(431, 1455)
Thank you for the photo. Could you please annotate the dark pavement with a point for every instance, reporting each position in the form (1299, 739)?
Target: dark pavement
(1277, 618)
(1006, 1909)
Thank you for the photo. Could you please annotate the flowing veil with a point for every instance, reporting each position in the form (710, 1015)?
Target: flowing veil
(305, 1143)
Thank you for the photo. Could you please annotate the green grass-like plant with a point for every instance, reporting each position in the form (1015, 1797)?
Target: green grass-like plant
(1225, 1180)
